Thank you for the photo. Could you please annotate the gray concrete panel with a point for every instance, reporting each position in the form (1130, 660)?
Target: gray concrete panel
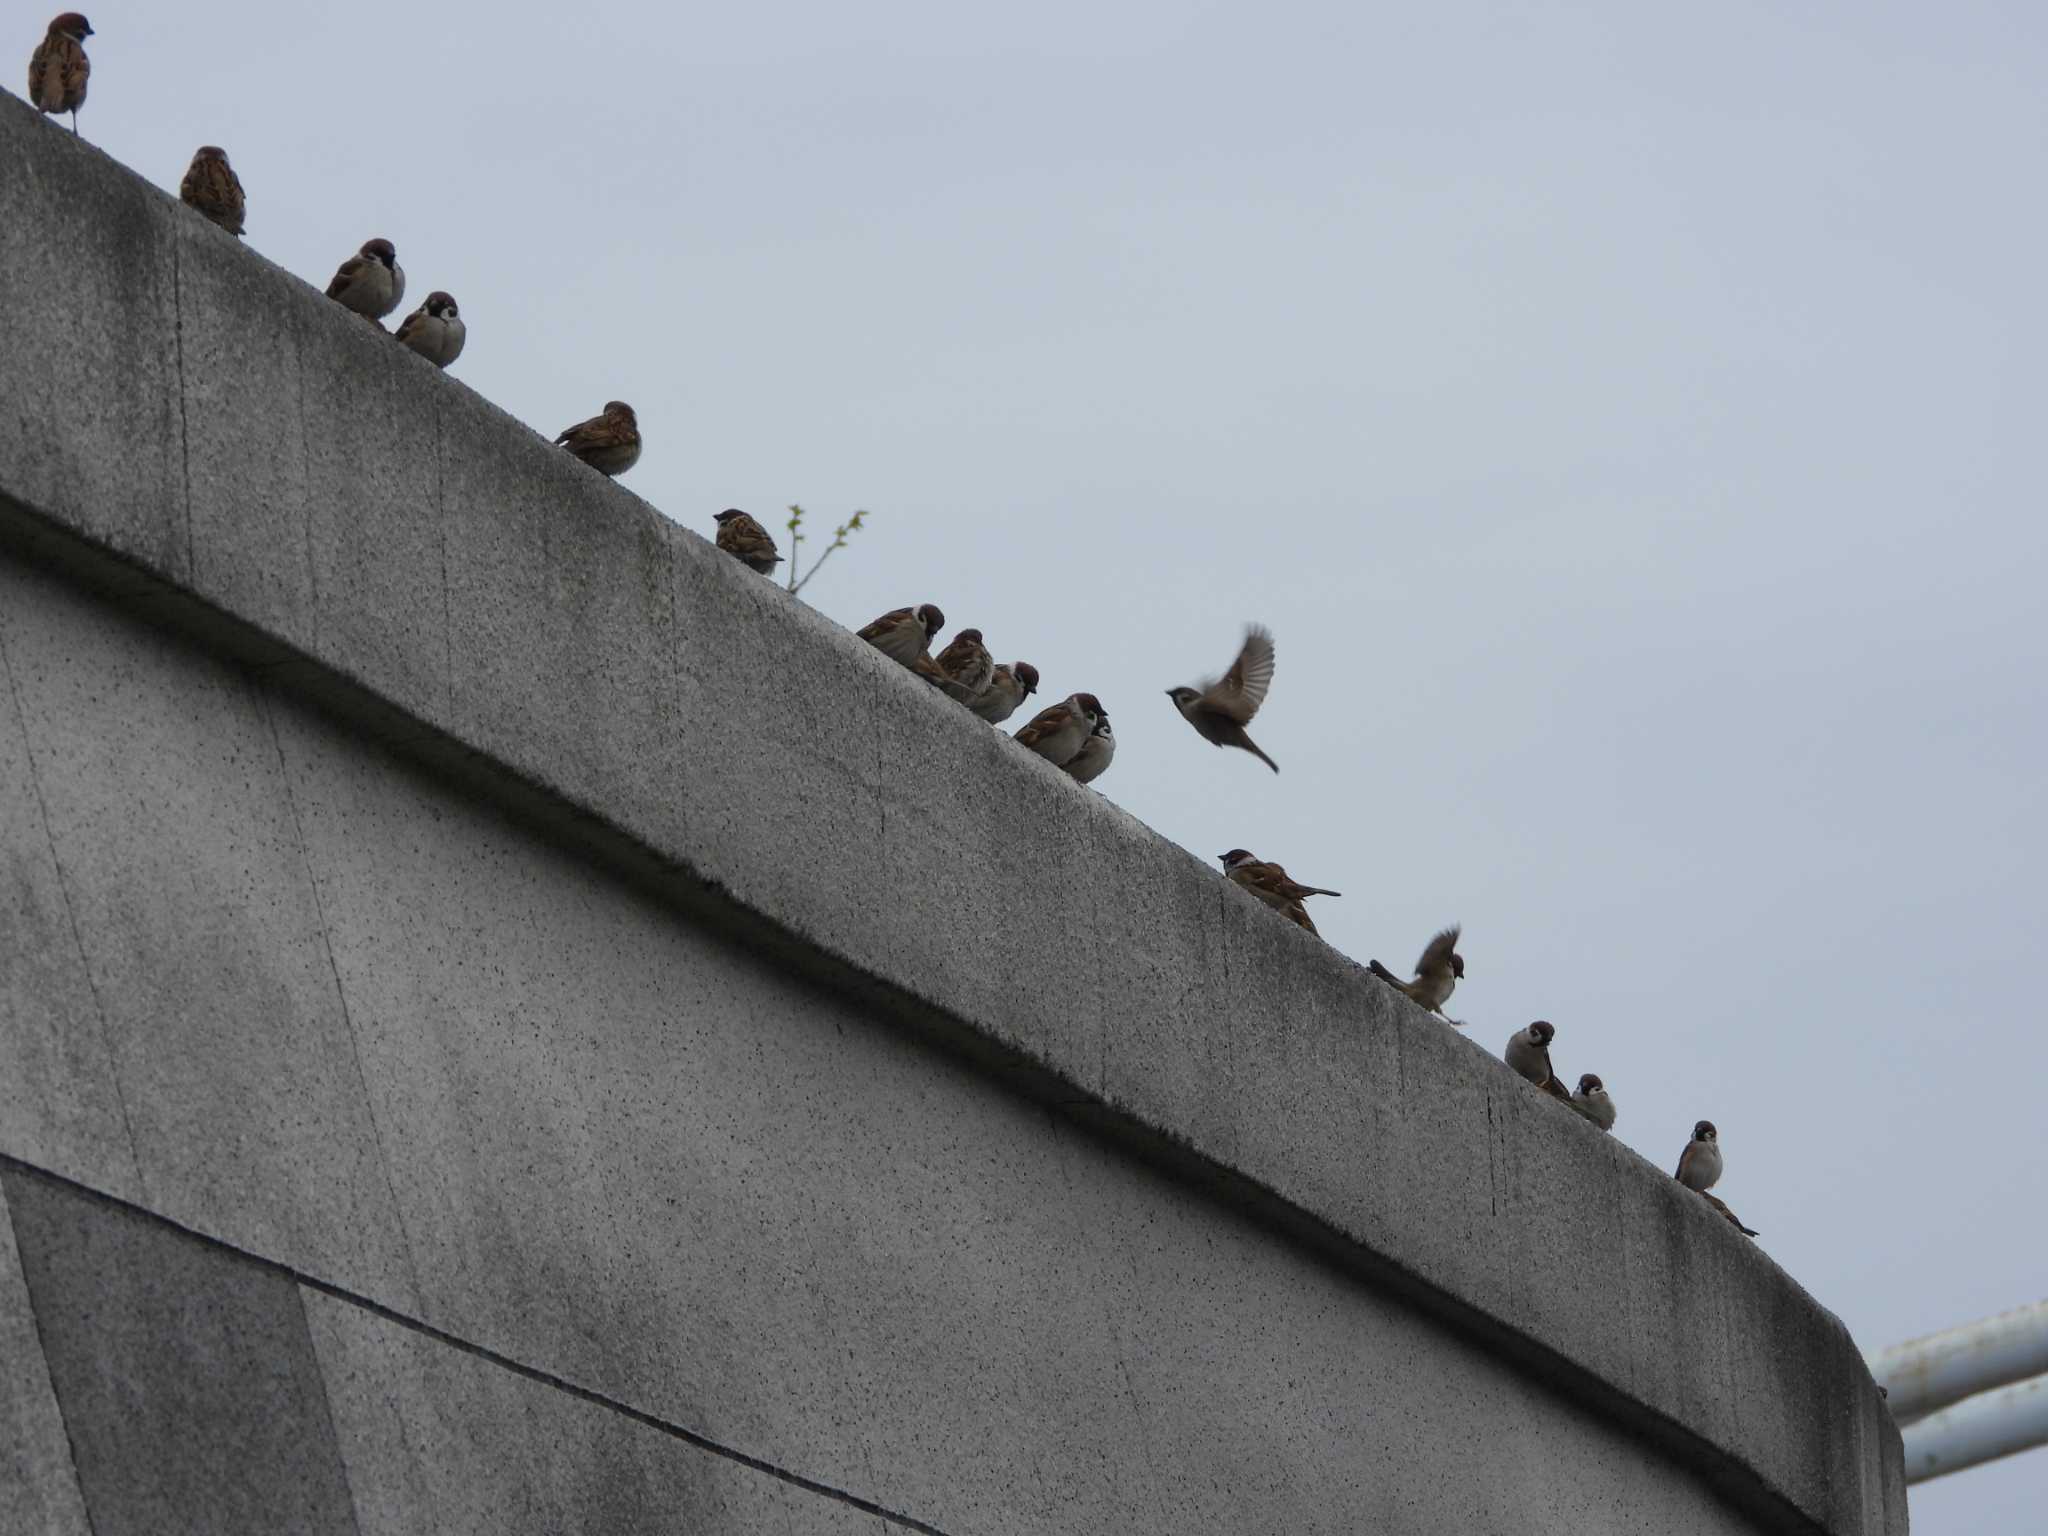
(59, 1105)
(235, 1064)
(186, 1375)
(440, 1439)
(626, 669)
(91, 430)
(38, 1485)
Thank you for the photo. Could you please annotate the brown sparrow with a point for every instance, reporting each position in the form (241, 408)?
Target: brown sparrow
(965, 667)
(1056, 734)
(435, 330)
(1007, 688)
(1736, 1221)
(1088, 764)
(1699, 1165)
(1528, 1052)
(212, 187)
(904, 635)
(371, 282)
(1268, 882)
(747, 541)
(609, 442)
(1592, 1101)
(1439, 970)
(1220, 710)
(59, 69)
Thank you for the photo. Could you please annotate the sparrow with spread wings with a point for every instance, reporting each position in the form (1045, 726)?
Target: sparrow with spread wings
(1220, 710)
(1439, 970)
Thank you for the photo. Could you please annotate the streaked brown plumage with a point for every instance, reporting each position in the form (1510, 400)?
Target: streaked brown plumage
(965, 667)
(747, 541)
(609, 442)
(1437, 973)
(1057, 732)
(212, 187)
(1220, 710)
(58, 69)
(1008, 687)
(1718, 1204)
(1268, 881)
(904, 635)
(371, 282)
(436, 330)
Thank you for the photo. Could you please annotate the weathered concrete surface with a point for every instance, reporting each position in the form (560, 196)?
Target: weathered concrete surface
(38, 1484)
(577, 1124)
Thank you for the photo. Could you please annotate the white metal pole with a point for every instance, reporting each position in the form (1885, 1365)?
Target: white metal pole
(1978, 1429)
(1922, 1375)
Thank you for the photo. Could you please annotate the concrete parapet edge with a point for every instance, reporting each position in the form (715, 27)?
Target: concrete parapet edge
(229, 453)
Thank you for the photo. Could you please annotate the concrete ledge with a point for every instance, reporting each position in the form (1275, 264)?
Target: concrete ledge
(224, 451)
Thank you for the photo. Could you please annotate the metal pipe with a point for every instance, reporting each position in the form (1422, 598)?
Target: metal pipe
(1978, 1429)
(1922, 1375)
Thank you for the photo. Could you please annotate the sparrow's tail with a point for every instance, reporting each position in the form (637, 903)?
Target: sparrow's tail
(1317, 890)
(1253, 747)
(1384, 974)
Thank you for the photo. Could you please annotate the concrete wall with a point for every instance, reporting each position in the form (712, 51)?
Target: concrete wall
(487, 1043)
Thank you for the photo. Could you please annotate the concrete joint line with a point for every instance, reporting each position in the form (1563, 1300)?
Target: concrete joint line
(534, 1374)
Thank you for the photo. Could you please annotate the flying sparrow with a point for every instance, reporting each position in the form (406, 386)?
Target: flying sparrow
(1699, 1166)
(747, 541)
(1220, 710)
(435, 330)
(1716, 1202)
(609, 442)
(212, 187)
(1007, 688)
(371, 282)
(1439, 970)
(1088, 764)
(965, 667)
(904, 635)
(58, 69)
(1269, 882)
(1528, 1052)
(1056, 734)
(1593, 1102)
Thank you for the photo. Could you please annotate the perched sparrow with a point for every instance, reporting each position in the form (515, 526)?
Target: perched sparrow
(1699, 1166)
(1268, 882)
(212, 187)
(58, 69)
(904, 635)
(1439, 970)
(371, 282)
(1221, 710)
(1736, 1221)
(965, 667)
(609, 442)
(1593, 1102)
(1007, 688)
(1088, 764)
(435, 330)
(1056, 734)
(1528, 1053)
(747, 541)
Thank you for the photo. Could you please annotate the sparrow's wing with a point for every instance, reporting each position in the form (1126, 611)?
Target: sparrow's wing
(1437, 957)
(1683, 1158)
(1241, 690)
(887, 622)
(38, 71)
(411, 324)
(1043, 724)
(346, 277)
(77, 68)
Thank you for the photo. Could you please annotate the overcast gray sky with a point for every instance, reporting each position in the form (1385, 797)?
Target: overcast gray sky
(1629, 421)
